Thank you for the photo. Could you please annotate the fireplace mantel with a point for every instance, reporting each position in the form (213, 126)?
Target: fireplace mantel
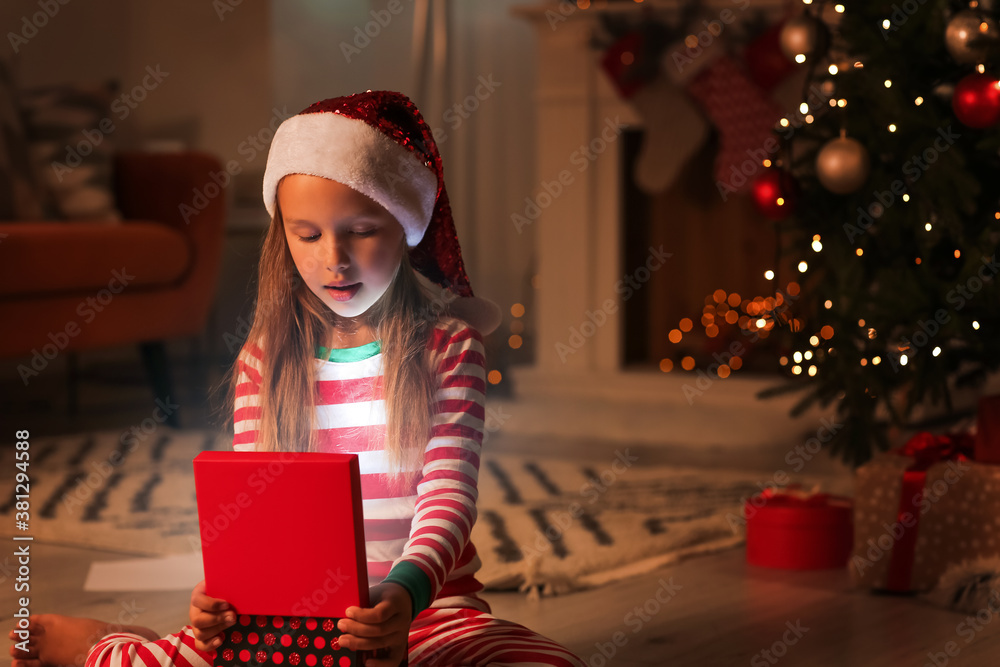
(578, 232)
(579, 251)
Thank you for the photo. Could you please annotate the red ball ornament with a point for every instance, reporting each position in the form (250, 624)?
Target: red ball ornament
(775, 194)
(976, 100)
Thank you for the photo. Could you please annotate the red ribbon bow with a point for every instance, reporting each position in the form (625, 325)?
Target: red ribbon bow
(929, 449)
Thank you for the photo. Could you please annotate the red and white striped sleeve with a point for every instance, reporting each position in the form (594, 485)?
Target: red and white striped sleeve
(447, 490)
(126, 649)
(246, 413)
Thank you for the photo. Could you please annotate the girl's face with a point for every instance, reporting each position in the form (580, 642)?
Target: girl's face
(346, 247)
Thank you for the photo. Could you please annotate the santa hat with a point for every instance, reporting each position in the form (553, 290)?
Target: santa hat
(377, 143)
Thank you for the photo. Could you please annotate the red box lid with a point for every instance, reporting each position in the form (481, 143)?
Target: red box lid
(818, 510)
(282, 533)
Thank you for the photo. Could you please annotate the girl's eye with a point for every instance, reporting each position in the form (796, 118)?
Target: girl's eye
(359, 232)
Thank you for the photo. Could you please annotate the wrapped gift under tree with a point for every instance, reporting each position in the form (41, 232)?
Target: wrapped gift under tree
(928, 506)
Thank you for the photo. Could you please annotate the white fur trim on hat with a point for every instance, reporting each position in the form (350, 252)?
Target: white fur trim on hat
(352, 152)
(483, 314)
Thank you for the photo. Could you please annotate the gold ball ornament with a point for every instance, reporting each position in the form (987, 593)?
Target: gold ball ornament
(803, 34)
(971, 36)
(842, 165)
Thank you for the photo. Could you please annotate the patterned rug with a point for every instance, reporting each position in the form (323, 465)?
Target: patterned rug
(544, 526)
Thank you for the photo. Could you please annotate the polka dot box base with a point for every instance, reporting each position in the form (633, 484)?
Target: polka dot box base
(287, 641)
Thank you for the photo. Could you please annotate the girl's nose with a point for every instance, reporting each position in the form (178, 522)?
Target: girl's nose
(336, 255)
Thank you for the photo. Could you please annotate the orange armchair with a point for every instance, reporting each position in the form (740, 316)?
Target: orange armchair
(80, 285)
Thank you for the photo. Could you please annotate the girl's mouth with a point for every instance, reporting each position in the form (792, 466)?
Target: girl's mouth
(345, 293)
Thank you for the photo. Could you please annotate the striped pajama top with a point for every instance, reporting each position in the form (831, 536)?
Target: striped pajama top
(422, 535)
(424, 532)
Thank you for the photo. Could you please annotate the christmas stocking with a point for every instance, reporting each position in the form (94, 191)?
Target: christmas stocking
(674, 130)
(674, 127)
(743, 115)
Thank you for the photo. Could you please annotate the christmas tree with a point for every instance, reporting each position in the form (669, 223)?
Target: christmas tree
(894, 185)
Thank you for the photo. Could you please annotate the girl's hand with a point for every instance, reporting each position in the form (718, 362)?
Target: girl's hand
(209, 616)
(385, 625)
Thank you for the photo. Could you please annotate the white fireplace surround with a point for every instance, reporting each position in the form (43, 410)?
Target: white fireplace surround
(584, 392)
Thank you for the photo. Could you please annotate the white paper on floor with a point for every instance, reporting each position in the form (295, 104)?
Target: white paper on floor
(172, 573)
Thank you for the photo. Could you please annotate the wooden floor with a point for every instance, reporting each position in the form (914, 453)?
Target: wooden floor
(714, 610)
(718, 611)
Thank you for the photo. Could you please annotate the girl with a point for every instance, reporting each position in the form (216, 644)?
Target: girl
(367, 339)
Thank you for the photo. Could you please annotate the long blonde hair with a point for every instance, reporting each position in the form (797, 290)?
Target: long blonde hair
(290, 321)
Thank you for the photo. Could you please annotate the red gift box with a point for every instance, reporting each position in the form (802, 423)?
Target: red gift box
(282, 532)
(793, 531)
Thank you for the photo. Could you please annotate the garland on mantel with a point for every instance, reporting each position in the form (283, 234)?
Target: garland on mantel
(684, 65)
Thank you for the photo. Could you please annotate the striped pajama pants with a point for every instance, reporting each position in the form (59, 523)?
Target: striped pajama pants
(438, 638)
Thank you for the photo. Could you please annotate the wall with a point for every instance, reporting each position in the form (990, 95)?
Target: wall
(321, 50)
(231, 73)
(217, 85)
